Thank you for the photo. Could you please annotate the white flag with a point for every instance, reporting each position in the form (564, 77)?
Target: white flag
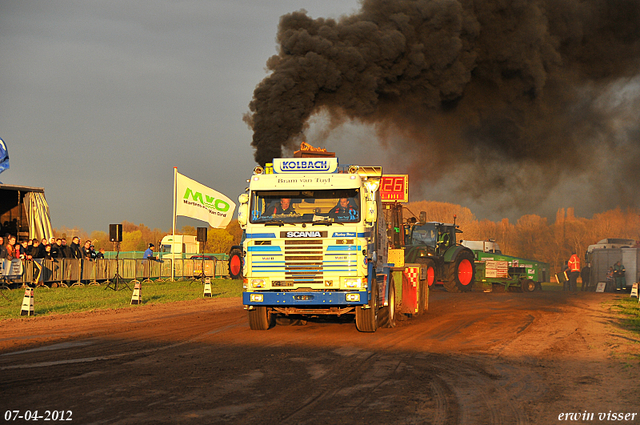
(198, 201)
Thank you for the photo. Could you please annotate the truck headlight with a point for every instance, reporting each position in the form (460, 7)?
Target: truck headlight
(352, 297)
(257, 283)
(256, 298)
(353, 282)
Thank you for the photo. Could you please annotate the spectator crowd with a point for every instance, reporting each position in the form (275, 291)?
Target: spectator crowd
(54, 249)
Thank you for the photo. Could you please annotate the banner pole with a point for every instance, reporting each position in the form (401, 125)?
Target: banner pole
(173, 239)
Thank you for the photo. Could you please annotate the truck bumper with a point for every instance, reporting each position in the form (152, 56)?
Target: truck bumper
(320, 298)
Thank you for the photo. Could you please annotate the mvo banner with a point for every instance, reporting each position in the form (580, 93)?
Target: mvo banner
(198, 201)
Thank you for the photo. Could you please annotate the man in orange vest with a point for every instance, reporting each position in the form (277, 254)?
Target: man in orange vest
(574, 269)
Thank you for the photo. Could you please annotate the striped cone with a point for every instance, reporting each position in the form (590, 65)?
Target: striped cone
(207, 287)
(634, 290)
(136, 298)
(27, 303)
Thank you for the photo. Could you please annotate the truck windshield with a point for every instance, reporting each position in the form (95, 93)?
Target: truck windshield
(306, 206)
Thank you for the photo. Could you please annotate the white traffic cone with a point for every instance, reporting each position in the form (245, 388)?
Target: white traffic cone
(27, 303)
(207, 287)
(136, 298)
(634, 290)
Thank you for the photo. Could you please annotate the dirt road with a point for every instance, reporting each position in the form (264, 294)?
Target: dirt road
(475, 358)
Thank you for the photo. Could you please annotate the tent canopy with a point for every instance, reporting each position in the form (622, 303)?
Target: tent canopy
(24, 212)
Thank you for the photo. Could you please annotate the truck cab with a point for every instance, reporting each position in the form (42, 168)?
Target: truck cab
(315, 244)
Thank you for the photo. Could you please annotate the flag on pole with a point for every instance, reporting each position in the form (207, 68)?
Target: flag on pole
(198, 201)
(4, 156)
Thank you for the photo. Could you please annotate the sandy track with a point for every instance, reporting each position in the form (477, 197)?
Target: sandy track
(476, 358)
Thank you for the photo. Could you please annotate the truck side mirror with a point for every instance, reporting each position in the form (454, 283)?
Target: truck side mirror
(371, 214)
(243, 209)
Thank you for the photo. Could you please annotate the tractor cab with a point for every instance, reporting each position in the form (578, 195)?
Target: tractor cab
(429, 239)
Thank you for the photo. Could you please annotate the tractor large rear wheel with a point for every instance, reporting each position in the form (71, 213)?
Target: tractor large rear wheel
(367, 318)
(235, 264)
(461, 275)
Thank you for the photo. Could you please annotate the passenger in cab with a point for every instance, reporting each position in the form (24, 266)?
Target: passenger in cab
(344, 210)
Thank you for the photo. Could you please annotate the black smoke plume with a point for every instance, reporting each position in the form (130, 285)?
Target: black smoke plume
(507, 97)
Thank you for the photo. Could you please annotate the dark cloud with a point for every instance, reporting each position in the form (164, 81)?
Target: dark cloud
(483, 89)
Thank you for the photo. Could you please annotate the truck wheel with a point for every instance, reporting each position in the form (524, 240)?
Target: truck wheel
(260, 318)
(235, 264)
(461, 273)
(387, 315)
(367, 319)
(528, 285)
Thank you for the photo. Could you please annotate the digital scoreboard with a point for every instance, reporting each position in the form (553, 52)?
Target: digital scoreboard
(394, 188)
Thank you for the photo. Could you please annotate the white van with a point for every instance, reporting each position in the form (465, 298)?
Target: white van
(180, 247)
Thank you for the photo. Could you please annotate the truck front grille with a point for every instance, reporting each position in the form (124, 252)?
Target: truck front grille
(303, 261)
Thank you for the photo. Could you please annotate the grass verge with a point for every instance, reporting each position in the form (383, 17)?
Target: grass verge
(87, 298)
(629, 309)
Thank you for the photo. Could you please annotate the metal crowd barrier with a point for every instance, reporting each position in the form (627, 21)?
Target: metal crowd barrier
(71, 272)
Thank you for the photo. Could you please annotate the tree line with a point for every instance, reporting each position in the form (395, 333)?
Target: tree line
(136, 237)
(535, 237)
(531, 236)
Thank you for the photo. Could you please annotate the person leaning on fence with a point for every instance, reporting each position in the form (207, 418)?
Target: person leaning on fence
(20, 251)
(55, 249)
(87, 252)
(47, 252)
(148, 254)
(34, 248)
(66, 251)
(11, 243)
(42, 248)
(76, 251)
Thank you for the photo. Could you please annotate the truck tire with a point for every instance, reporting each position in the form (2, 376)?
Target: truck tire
(528, 285)
(461, 273)
(367, 319)
(431, 269)
(260, 318)
(235, 264)
(387, 315)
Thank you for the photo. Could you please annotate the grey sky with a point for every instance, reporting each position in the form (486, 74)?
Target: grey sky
(101, 99)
